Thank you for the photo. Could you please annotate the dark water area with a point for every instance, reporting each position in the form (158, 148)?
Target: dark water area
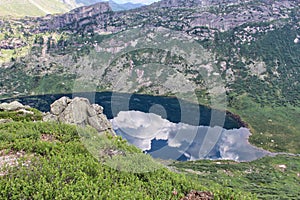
(170, 108)
(167, 127)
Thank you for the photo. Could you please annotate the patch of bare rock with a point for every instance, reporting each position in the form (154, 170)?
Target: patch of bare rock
(48, 138)
(10, 159)
(15, 106)
(198, 195)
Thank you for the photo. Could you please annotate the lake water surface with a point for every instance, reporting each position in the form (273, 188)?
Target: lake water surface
(168, 128)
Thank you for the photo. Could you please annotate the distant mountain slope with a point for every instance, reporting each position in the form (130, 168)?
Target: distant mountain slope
(22, 8)
(114, 6)
(126, 6)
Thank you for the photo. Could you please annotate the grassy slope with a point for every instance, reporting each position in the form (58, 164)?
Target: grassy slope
(263, 177)
(20, 8)
(274, 128)
(62, 167)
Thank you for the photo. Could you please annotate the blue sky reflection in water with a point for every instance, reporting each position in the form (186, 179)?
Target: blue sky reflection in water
(179, 141)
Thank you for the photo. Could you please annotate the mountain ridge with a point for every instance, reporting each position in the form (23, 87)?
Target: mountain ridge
(232, 17)
(38, 8)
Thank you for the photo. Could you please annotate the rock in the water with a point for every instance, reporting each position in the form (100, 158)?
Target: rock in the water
(79, 111)
(13, 106)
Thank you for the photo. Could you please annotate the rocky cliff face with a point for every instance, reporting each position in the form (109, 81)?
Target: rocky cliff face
(76, 18)
(182, 15)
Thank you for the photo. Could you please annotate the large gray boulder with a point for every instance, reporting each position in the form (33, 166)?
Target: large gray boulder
(80, 112)
(58, 106)
(13, 106)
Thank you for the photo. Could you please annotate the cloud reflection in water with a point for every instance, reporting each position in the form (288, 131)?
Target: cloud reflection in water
(166, 140)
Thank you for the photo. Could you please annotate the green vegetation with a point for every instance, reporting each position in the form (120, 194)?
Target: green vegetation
(15, 42)
(64, 162)
(21, 8)
(267, 101)
(31, 115)
(57, 165)
(270, 177)
(277, 84)
(274, 128)
(54, 84)
(36, 84)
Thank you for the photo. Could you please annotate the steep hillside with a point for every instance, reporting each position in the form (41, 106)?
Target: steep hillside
(114, 6)
(20, 8)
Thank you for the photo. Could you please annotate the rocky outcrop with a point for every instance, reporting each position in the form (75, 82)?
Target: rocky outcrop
(77, 18)
(215, 14)
(80, 112)
(15, 106)
(16, 110)
(197, 195)
(76, 111)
